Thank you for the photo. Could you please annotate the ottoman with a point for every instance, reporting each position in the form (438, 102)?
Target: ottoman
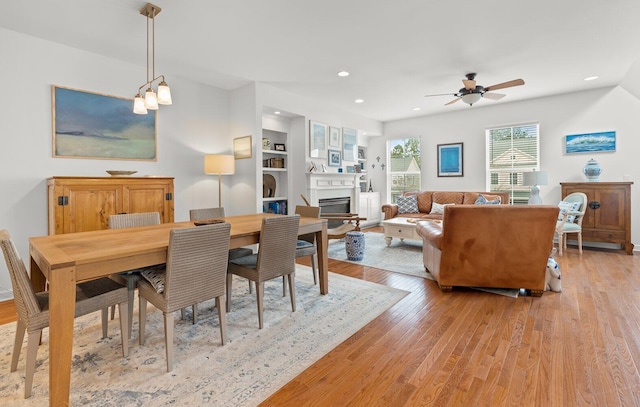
(354, 245)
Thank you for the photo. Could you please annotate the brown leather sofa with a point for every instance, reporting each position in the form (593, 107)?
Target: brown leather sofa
(500, 246)
(426, 198)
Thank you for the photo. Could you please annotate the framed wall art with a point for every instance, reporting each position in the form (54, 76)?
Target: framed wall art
(93, 125)
(335, 139)
(450, 160)
(242, 147)
(334, 158)
(349, 144)
(318, 133)
(590, 143)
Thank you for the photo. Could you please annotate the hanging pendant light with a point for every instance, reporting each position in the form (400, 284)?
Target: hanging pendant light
(151, 100)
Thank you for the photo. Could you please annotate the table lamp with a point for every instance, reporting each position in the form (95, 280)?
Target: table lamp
(219, 164)
(535, 178)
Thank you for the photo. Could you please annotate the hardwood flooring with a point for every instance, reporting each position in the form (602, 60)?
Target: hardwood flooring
(580, 347)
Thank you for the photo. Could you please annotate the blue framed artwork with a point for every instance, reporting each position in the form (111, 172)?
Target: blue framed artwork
(590, 142)
(92, 125)
(450, 162)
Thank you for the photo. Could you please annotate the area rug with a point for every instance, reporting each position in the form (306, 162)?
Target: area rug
(402, 256)
(250, 367)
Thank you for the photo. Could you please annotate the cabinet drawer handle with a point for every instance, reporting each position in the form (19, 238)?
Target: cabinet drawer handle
(594, 204)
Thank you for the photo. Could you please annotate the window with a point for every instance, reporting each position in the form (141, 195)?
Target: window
(510, 151)
(404, 166)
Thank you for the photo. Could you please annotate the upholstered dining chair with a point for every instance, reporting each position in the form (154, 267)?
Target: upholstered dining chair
(306, 244)
(214, 213)
(130, 278)
(276, 257)
(195, 272)
(33, 308)
(572, 210)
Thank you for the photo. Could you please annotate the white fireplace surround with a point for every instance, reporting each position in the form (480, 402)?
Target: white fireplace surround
(324, 185)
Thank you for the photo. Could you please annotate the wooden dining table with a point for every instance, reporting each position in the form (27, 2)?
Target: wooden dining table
(68, 259)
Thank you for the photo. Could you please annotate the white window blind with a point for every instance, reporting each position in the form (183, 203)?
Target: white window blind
(510, 151)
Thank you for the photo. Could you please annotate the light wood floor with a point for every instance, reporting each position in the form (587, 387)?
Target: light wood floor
(580, 347)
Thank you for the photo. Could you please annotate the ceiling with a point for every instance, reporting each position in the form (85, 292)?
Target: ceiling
(396, 51)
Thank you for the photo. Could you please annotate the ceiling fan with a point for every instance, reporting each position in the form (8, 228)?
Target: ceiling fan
(471, 93)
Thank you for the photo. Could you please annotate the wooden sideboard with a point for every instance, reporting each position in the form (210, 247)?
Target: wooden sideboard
(608, 215)
(79, 204)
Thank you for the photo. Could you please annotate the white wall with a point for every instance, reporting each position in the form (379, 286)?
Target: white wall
(583, 112)
(197, 123)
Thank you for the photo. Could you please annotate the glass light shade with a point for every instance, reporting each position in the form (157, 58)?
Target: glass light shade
(164, 94)
(471, 98)
(150, 100)
(138, 105)
(219, 164)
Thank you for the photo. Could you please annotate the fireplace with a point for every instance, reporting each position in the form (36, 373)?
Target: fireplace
(326, 186)
(335, 205)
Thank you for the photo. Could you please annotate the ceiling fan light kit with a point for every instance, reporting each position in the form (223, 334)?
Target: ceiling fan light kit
(472, 93)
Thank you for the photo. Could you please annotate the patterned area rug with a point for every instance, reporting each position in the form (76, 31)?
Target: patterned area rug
(250, 367)
(400, 257)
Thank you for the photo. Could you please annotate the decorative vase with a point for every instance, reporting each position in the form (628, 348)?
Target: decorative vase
(266, 144)
(354, 245)
(592, 170)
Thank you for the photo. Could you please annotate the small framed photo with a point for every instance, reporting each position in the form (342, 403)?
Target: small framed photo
(279, 147)
(450, 162)
(351, 169)
(335, 159)
(361, 153)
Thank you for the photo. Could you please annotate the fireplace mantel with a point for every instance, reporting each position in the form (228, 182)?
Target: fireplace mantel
(323, 185)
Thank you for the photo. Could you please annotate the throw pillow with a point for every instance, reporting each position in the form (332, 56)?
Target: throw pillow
(482, 200)
(155, 275)
(407, 204)
(438, 209)
(568, 207)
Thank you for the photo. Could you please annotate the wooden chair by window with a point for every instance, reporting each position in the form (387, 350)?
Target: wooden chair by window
(275, 258)
(33, 308)
(195, 272)
(572, 210)
(130, 278)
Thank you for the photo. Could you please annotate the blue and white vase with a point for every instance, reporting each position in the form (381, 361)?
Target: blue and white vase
(354, 245)
(592, 170)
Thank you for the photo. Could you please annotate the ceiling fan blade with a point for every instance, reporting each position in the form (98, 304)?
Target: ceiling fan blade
(469, 84)
(441, 94)
(493, 96)
(515, 82)
(452, 102)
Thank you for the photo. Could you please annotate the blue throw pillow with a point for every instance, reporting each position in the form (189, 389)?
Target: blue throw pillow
(482, 200)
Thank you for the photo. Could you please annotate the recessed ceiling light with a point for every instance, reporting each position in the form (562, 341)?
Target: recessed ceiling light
(416, 108)
(276, 112)
(590, 78)
(343, 73)
(359, 100)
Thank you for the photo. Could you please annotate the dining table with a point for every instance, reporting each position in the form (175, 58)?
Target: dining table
(65, 260)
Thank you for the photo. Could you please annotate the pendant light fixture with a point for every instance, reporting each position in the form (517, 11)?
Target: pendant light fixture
(151, 100)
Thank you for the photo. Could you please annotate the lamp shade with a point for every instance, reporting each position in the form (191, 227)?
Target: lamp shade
(219, 164)
(535, 178)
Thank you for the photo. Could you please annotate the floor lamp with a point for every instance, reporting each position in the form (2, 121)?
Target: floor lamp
(219, 164)
(535, 178)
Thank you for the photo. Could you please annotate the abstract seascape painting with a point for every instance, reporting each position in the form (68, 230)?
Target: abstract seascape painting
(91, 125)
(590, 142)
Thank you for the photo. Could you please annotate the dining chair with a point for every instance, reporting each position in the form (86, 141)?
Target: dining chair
(130, 278)
(214, 213)
(306, 244)
(33, 308)
(276, 257)
(195, 272)
(572, 210)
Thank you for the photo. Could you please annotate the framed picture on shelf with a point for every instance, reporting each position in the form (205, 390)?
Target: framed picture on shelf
(335, 139)
(334, 158)
(279, 147)
(242, 147)
(349, 144)
(450, 160)
(318, 133)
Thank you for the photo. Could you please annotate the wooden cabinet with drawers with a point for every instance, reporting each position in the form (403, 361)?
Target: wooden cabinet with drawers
(79, 204)
(608, 215)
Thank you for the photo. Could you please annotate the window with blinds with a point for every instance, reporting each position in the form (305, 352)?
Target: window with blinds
(510, 151)
(404, 166)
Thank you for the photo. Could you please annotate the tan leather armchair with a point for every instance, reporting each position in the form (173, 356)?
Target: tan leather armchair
(500, 246)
